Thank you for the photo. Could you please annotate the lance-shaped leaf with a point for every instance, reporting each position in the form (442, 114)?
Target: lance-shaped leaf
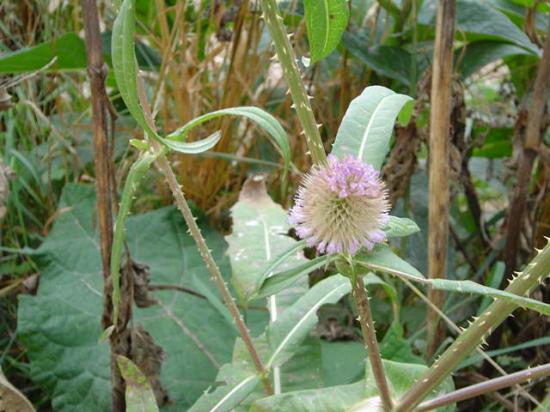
(400, 226)
(382, 259)
(125, 65)
(367, 126)
(259, 237)
(260, 117)
(139, 395)
(282, 280)
(126, 72)
(235, 384)
(60, 326)
(294, 324)
(326, 20)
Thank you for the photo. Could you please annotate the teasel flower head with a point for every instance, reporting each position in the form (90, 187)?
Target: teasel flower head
(341, 207)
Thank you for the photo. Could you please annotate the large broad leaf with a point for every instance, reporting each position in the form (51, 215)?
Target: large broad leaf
(68, 50)
(259, 236)
(400, 377)
(290, 329)
(139, 395)
(61, 325)
(326, 20)
(235, 385)
(482, 20)
(367, 126)
(477, 55)
(389, 61)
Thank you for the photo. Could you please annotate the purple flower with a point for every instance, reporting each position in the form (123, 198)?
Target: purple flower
(341, 206)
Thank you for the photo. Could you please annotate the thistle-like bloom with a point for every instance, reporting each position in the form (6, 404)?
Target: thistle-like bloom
(341, 206)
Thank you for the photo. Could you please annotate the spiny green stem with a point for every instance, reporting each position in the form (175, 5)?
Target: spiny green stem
(287, 58)
(485, 387)
(211, 265)
(136, 173)
(494, 315)
(369, 337)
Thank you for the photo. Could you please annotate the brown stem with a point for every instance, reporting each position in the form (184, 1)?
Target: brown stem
(369, 337)
(527, 156)
(439, 161)
(485, 387)
(104, 201)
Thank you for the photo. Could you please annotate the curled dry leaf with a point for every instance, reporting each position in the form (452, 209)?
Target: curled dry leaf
(11, 400)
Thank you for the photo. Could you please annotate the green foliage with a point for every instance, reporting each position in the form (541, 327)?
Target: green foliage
(291, 328)
(367, 126)
(139, 395)
(326, 20)
(259, 237)
(60, 326)
(68, 51)
(480, 21)
(236, 385)
(400, 377)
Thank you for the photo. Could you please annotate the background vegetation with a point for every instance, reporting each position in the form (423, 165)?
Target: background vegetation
(201, 56)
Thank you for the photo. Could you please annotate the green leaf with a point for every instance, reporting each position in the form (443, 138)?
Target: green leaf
(476, 357)
(326, 20)
(290, 329)
(259, 237)
(396, 348)
(126, 71)
(198, 146)
(139, 395)
(69, 49)
(125, 66)
(481, 19)
(60, 326)
(367, 126)
(235, 384)
(400, 226)
(340, 398)
(335, 398)
(382, 259)
(285, 279)
(477, 55)
(467, 286)
(388, 61)
(263, 119)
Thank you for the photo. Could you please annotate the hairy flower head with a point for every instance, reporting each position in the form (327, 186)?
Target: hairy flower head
(341, 206)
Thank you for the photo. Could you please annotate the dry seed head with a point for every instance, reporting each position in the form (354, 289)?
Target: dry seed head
(341, 206)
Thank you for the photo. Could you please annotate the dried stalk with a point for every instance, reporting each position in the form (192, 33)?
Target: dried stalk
(97, 73)
(439, 161)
